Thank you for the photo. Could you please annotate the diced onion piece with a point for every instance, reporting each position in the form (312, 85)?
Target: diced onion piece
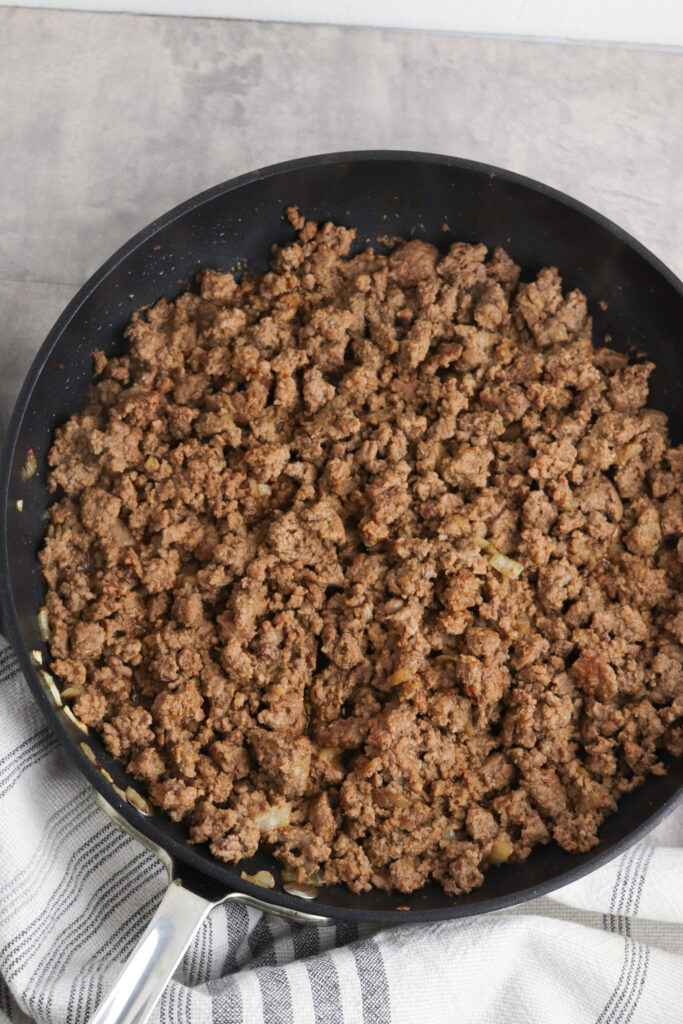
(43, 624)
(29, 467)
(37, 657)
(500, 851)
(119, 792)
(314, 879)
(300, 889)
(273, 817)
(628, 451)
(449, 833)
(88, 751)
(373, 765)
(51, 687)
(258, 489)
(262, 878)
(137, 800)
(105, 775)
(120, 534)
(328, 754)
(508, 567)
(71, 691)
(401, 675)
(446, 659)
(20, 504)
(68, 713)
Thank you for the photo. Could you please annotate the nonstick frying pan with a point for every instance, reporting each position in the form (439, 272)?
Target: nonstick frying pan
(440, 199)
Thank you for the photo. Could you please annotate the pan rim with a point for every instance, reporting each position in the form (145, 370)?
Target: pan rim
(180, 851)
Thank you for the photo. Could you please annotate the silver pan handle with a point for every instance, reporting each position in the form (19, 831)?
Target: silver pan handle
(155, 958)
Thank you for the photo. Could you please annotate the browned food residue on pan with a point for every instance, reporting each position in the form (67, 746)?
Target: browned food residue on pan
(373, 561)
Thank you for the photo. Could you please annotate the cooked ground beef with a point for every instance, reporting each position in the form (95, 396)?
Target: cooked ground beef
(275, 566)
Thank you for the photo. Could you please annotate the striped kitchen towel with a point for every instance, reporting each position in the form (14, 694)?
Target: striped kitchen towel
(75, 894)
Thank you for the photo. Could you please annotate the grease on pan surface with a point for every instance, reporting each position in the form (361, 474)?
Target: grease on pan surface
(374, 561)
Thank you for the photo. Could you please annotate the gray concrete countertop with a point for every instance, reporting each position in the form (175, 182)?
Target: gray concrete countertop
(109, 120)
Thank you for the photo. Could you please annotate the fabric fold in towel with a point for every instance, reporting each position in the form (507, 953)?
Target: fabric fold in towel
(75, 894)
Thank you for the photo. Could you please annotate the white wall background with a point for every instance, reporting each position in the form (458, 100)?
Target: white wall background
(631, 22)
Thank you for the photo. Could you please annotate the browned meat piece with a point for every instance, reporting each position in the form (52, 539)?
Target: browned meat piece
(87, 640)
(413, 262)
(646, 536)
(284, 761)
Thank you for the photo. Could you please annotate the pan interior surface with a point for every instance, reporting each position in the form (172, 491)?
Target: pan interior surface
(231, 227)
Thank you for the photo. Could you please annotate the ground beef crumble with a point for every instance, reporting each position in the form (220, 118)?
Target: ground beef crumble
(275, 566)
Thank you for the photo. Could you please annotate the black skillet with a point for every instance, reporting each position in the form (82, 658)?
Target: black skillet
(634, 298)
